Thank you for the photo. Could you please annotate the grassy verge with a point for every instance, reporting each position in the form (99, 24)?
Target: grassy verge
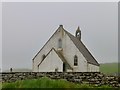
(47, 83)
(0, 85)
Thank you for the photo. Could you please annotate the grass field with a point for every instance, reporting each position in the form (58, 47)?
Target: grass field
(0, 85)
(47, 83)
(109, 68)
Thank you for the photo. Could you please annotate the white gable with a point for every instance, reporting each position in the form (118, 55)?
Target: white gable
(68, 50)
(51, 43)
(51, 62)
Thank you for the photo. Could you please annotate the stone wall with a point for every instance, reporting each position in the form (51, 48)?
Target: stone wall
(95, 78)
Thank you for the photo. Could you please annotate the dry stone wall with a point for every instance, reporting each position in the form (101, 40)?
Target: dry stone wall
(95, 78)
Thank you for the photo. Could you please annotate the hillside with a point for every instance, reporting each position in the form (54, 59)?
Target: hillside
(109, 68)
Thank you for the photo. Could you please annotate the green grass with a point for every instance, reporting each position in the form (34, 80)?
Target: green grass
(109, 68)
(0, 85)
(47, 83)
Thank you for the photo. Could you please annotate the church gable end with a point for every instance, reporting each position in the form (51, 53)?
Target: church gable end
(81, 47)
(64, 52)
(60, 43)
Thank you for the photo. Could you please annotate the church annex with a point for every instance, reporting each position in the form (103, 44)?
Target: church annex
(64, 52)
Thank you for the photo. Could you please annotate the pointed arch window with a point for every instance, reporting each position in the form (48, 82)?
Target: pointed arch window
(59, 43)
(75, 60)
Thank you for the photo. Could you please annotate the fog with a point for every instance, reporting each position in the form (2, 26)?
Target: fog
(27, 26)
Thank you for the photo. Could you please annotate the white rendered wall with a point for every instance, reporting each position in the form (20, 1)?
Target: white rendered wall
(69, 50)
(51, 62)
(53, 43)
(93, 68)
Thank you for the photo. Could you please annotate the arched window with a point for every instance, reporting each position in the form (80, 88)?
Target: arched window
(59, 43)
(75, 60)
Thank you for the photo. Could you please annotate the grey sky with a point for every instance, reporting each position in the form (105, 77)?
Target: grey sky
(0, 35)
(27, 26)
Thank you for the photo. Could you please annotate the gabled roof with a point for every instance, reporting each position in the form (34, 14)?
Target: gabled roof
(60, 56)
(81, 47)
(78, 43)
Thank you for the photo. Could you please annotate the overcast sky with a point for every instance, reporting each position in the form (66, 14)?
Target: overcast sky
(27, 26)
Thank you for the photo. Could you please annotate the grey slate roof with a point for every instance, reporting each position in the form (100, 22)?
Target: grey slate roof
(78, 43)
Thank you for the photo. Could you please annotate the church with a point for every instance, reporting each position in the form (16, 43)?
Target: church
(64, 52)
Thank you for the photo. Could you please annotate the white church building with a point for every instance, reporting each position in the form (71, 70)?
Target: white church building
(64, 52)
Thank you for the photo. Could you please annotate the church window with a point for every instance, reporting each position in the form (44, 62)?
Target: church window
(59, 43)
(75, 60)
